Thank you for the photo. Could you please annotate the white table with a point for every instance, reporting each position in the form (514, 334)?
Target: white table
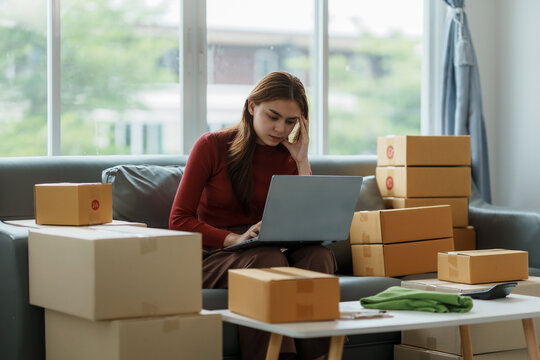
(513, 307)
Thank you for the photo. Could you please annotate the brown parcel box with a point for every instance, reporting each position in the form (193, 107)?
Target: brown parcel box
(482, 266)
(418, 182)
(464, 238)
(114, 273)
(419, 150)
(283, 294)
(73, 203)
(459, 206)
(405, 352)
(485, 338)
(188, 336)
(399, 259)
(401, 225)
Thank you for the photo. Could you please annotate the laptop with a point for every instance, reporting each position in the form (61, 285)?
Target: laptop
(306, 209)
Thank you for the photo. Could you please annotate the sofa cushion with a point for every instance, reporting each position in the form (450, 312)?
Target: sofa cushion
(369, 199)
(143, 193)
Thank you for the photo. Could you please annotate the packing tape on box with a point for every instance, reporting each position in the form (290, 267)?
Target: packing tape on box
(171, 325)
(366, 251)
(363, 216)
(453, 270)
(431, 342)
(148, 245)
(366, 238)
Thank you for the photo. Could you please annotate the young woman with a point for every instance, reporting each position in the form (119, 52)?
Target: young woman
(224, 187)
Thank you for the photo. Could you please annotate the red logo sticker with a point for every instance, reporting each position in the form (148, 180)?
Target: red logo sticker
(95, 205)
(390, 152)
(389, 183)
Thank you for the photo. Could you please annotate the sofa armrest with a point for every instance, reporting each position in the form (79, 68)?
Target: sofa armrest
(506, 228)
(22, 329)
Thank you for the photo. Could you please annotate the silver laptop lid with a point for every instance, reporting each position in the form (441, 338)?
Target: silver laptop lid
(309, 208)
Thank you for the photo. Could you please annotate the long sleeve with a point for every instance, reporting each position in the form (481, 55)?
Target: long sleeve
(184, 212)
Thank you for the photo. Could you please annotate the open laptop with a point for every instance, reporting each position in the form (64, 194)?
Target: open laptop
(306, 209)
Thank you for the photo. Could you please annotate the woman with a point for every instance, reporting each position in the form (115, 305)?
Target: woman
(224, 187)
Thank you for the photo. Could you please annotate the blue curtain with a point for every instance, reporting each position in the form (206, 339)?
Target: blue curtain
(462, 97)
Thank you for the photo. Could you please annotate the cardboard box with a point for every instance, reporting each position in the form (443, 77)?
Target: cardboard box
(489, 337)
(284, 294)
(482, 266)
(31, 223)
(401, 225)
(405, 352)
(398, 259)
(190, 336)
(419, 182)
(464, 238)
(73, 203)
(530, 286)
(117, 272)
(459, 206)
(421, 150)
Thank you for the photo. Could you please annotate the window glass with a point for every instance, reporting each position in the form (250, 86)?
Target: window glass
(374, 72)
(120, 91)
(23, 78)
(246, 40)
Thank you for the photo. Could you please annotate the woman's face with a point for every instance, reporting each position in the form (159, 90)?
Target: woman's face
(274, 120)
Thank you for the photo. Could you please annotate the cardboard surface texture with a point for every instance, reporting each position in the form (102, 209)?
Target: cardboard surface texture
(464, 238)
(482, 266)
(73, 203)
(458, 205)
(117, 272)
(405, 352)
(284, 294)
(418, 182)
(489, 337)
(190, 336)
(401, 225)
(398, 259)
(419, 150)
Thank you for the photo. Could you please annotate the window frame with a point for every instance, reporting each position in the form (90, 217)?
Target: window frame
(193, 74)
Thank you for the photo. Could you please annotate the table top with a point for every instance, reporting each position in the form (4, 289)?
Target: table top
(510, 308)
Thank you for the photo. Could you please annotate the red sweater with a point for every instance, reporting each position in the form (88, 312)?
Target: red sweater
(204, 201)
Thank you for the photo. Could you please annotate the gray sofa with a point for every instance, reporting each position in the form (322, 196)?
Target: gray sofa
(21, 324)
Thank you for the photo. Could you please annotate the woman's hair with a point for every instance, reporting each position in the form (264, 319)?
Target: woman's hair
(274, 86)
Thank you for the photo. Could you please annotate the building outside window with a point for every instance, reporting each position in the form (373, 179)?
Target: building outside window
(120, 78)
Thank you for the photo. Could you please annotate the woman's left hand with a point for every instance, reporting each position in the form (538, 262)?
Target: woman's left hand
(299, 149)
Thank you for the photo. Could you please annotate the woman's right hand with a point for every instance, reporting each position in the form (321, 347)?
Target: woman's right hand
(234, 238)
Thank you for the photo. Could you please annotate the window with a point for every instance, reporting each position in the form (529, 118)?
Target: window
(119, 67)
(248, 39)
(23, 79)
(374, 70)
(149, 76)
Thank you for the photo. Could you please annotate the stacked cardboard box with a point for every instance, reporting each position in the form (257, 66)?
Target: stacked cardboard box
(428, 170)
(117, 292)
(498, 340)
(399, 242)
(284, 294)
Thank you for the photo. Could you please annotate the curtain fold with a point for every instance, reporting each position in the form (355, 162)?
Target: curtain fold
(462, 112)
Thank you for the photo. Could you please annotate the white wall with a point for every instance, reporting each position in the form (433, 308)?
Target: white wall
(506, 36)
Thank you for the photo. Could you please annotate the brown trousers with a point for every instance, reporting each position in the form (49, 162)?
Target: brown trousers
(254, 343)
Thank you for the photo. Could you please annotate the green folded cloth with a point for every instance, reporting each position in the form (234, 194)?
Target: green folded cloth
(399, 298)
